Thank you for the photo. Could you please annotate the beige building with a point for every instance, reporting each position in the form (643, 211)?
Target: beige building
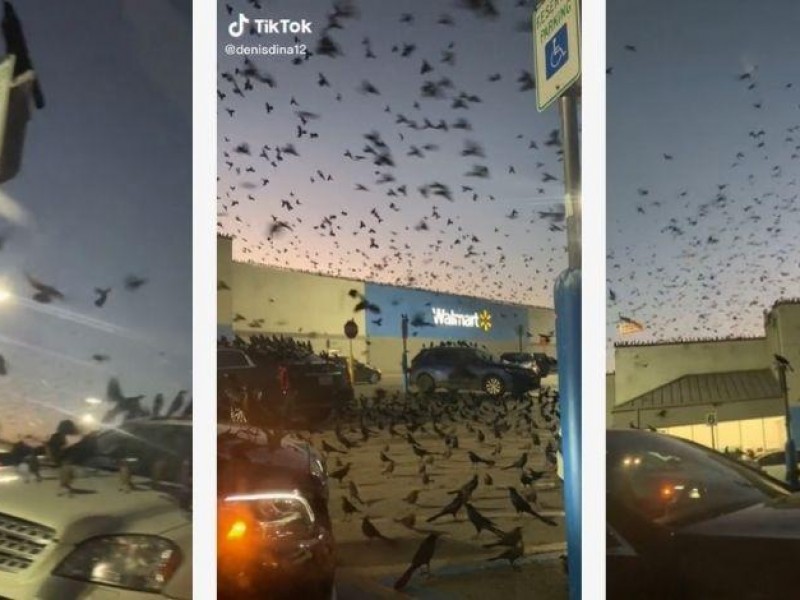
(254, 299)
(720, 392)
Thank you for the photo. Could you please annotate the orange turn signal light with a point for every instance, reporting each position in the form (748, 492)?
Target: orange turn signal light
(237, 530)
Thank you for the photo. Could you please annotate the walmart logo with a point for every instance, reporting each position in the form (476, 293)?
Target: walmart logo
(485, 320)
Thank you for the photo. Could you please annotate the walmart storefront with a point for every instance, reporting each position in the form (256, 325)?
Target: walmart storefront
(255, 299)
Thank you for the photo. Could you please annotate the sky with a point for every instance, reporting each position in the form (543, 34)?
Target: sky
(105, 190)
(703, 158)
(423, 220)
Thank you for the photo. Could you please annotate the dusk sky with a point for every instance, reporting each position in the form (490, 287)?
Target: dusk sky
(106, 192)
(703, 153)
(400, 70)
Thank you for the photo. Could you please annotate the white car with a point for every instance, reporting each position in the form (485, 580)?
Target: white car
(773, 463)
(115, 524)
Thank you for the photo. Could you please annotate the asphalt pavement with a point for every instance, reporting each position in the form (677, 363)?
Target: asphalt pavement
(460, 568)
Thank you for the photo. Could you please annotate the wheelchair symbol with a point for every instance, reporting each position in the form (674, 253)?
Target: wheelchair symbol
(557, 52)
(557, 55)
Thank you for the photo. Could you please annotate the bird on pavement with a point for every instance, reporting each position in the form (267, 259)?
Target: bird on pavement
(467, 489)
(348, 508)
(329, 448)
(511, 555)
(451, 508)
(371, 532)
(521, 505)
(340, 474)
(481, 522)
(409, 521)
(519, 463)
(511, 538)
(353, 490)
(411, 497)
(422, 557)
(475, 459)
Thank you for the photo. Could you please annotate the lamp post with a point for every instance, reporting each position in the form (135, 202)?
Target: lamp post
(791, 448)
(404, 361)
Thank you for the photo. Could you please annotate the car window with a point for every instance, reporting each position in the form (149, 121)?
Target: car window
(230, 359)
(669, 481)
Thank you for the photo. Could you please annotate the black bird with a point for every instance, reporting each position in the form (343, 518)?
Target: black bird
(176, 403)
(158, 404)
(451, 508)
(102, 296)
(3, 366)
(519, 463)
(511, 538)
(422, 557)
(340, 474)
(134, 282)
(348, 508)
(783, 361)
(371, 532)
(511, 555)
(521, 505)
(45, 294)
(475, 459)
(329, 448)
(467, 489)
(480, 522)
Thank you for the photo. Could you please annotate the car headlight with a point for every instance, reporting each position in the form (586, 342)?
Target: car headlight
(277, 513)
(137, 562)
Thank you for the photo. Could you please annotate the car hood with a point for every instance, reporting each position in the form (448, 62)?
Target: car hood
(776, 519)
(97, 507)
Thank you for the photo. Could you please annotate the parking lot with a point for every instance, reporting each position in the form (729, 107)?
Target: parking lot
(460, 566)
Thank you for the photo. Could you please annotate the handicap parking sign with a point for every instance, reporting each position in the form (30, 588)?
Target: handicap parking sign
(556, 52)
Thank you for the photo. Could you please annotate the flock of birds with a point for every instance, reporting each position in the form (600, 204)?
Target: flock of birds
(704, 259)
(410, 172)
(442, 433)
(430, 437)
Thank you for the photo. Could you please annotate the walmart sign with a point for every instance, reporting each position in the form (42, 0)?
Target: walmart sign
(442, 316)
(450, 318)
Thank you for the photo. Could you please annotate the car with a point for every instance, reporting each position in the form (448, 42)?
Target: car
(113, 520)
(362, 372)
(365, 373)
(296, 387)
(685, 521)
(469, 368)
(274, 533)
(773, 463)
(538, 362)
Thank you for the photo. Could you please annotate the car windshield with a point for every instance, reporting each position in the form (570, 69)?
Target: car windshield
(673, 482)
(149, 449)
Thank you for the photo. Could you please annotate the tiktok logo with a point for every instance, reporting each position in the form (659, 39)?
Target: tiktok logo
(237, 28)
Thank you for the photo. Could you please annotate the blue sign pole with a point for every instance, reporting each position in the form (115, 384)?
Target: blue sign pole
(568, 335)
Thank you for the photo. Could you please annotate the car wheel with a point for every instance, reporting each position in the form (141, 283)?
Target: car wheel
(425, 383)
(494, 386)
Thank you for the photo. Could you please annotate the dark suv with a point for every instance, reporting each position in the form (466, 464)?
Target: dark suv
(468, 368)
(295, 387)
